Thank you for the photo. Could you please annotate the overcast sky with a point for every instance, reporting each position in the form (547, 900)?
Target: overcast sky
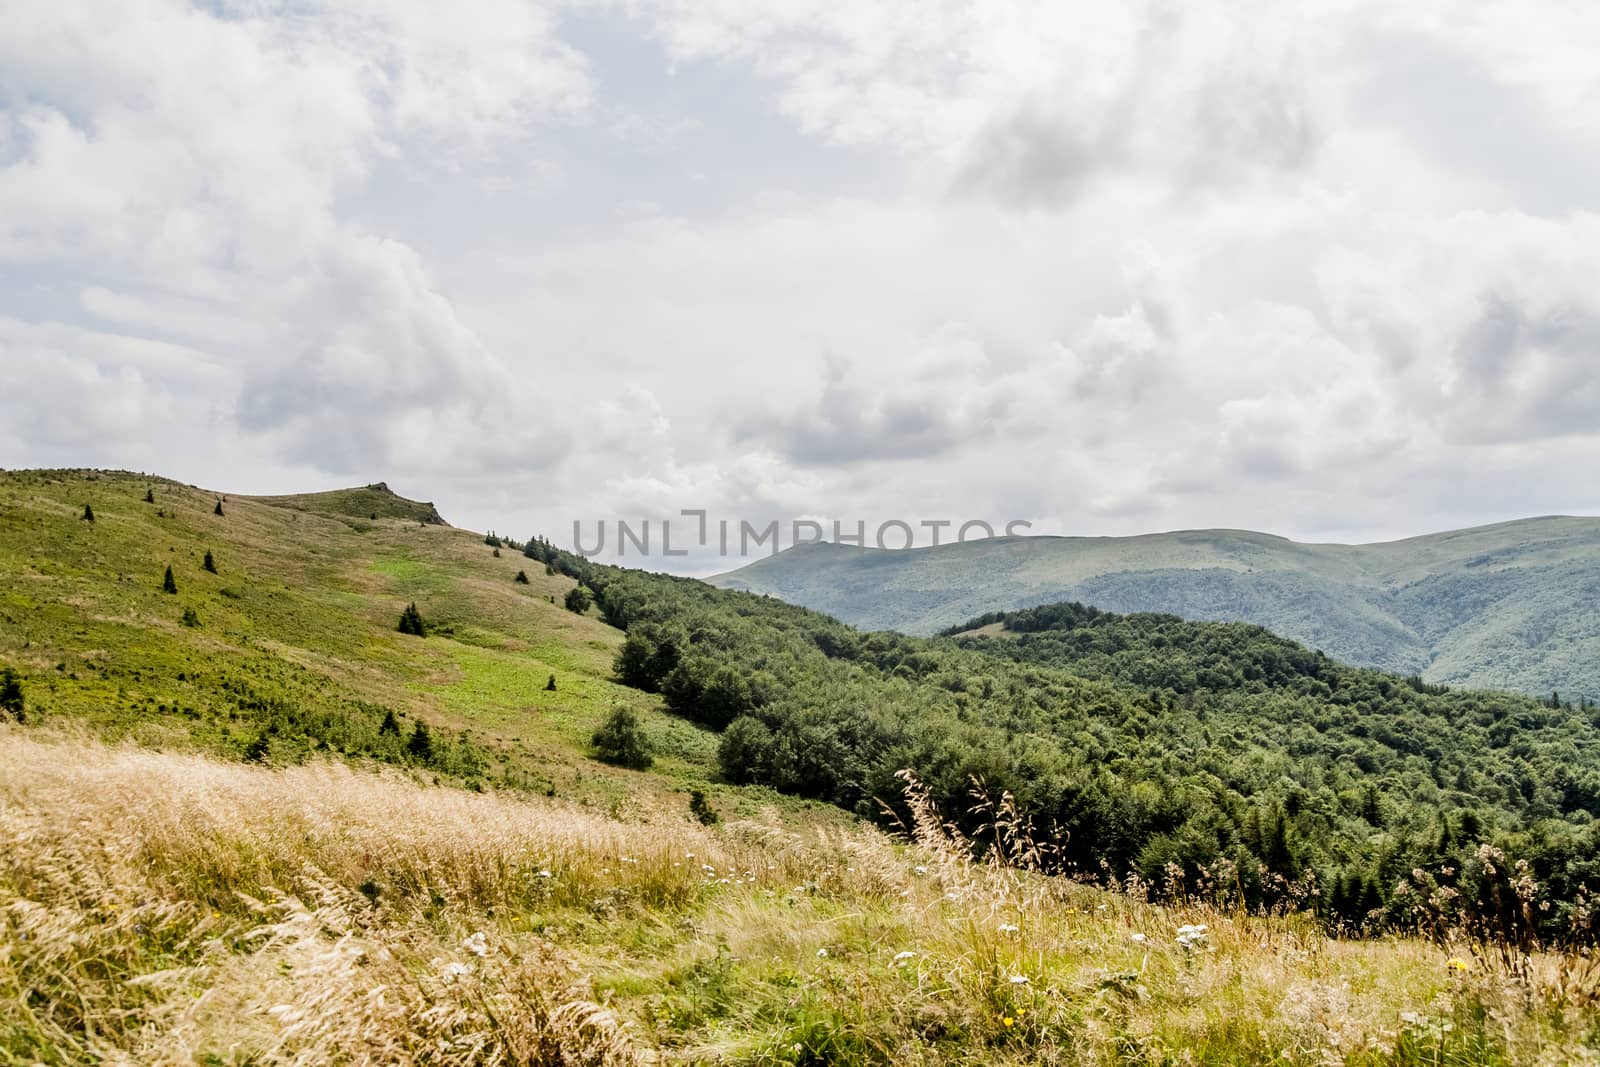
(1329, 269)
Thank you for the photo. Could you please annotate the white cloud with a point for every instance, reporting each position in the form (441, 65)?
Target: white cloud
(1111, 265)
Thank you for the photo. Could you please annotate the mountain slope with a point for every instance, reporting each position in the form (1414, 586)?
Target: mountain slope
(291, 649)
(1509, 606)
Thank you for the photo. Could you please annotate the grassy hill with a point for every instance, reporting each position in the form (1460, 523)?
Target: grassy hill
(1511, 606)
(292, 647)
(220, 842)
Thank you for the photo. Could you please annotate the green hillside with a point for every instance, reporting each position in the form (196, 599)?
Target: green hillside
(1124, 839)
(291, 645)
(1511, 606)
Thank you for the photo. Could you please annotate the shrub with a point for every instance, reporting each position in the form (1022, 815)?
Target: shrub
(522, 578)
(11, 698)
(497, 553)
(411, 621)
(210, 563)
(149, 496)
(578, 599)
(745, 754)
(218, 509)
(550, 686)
(620, 741)
(190, 618)
(390, 724)
(88, 513)
(169, 584)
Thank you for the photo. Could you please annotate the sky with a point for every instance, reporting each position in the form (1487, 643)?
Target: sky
(1325, 269)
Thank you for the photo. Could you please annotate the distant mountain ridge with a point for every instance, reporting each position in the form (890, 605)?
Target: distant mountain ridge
(1514, 605)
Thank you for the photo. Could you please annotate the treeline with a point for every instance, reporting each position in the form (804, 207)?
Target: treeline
(1187, 755)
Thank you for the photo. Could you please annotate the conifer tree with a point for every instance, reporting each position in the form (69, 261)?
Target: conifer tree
(210, 563)
(88, 513)
(411, 621)
(390, 724)
(11, 698)
(550, 686)
(169, 584)
(522, 578)
(218, 509)
(149, 496)
(420, 744)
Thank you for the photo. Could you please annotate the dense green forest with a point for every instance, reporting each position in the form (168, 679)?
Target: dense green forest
(1189, 757)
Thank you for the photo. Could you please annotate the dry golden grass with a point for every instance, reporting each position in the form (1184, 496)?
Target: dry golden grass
(171, 909)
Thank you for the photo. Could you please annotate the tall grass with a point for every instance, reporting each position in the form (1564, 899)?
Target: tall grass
(170, 909)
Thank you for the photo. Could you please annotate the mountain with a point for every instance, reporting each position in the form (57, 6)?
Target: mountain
(1509, 606)
(245, 819)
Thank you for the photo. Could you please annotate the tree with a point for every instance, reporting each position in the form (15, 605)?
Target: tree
(210, 563)
(745, 754)
(169, 584)
(419, 746)
(218, 509)
(11, 698)
(411, 621)
(149, 496)
(701, 808)
(497, 553)
(390, 724)
(191, 618)
(88, 513)
(550, 686)
(491, 540)
(578, 599)
(620, 741)
(521, 578)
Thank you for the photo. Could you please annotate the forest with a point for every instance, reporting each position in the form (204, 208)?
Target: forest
(1177, 757)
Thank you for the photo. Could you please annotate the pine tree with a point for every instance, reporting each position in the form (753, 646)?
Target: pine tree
(191, 618)
(522, 578)
(210, 563)
(149, 496)
(11, 698)
(701, 808)
(420, 744)
(390, 724)
(550, 686)
(88, 513)
(169, 584)
(411, 621)
(497, 553)
(218, 509)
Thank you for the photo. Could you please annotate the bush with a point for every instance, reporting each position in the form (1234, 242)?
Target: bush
(578, 599)
(190, 618)
(210, 563)
(169, 584)
(390, 724)
(550, 686)
(745, 754)
(149, 496)
(521, 578)
(620, 741)
(11, 698)
(411, 621)
(218, 509)
(88, 513)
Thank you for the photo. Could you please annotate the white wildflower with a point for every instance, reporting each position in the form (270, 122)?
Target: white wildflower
(822, 953)
(477, 944)
(1009, 928)
(1019, 979)
(901, 957)
(455, 971)
(921, 870)
(1139, 939)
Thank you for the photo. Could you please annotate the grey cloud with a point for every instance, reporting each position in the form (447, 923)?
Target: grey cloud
(1033, 157)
